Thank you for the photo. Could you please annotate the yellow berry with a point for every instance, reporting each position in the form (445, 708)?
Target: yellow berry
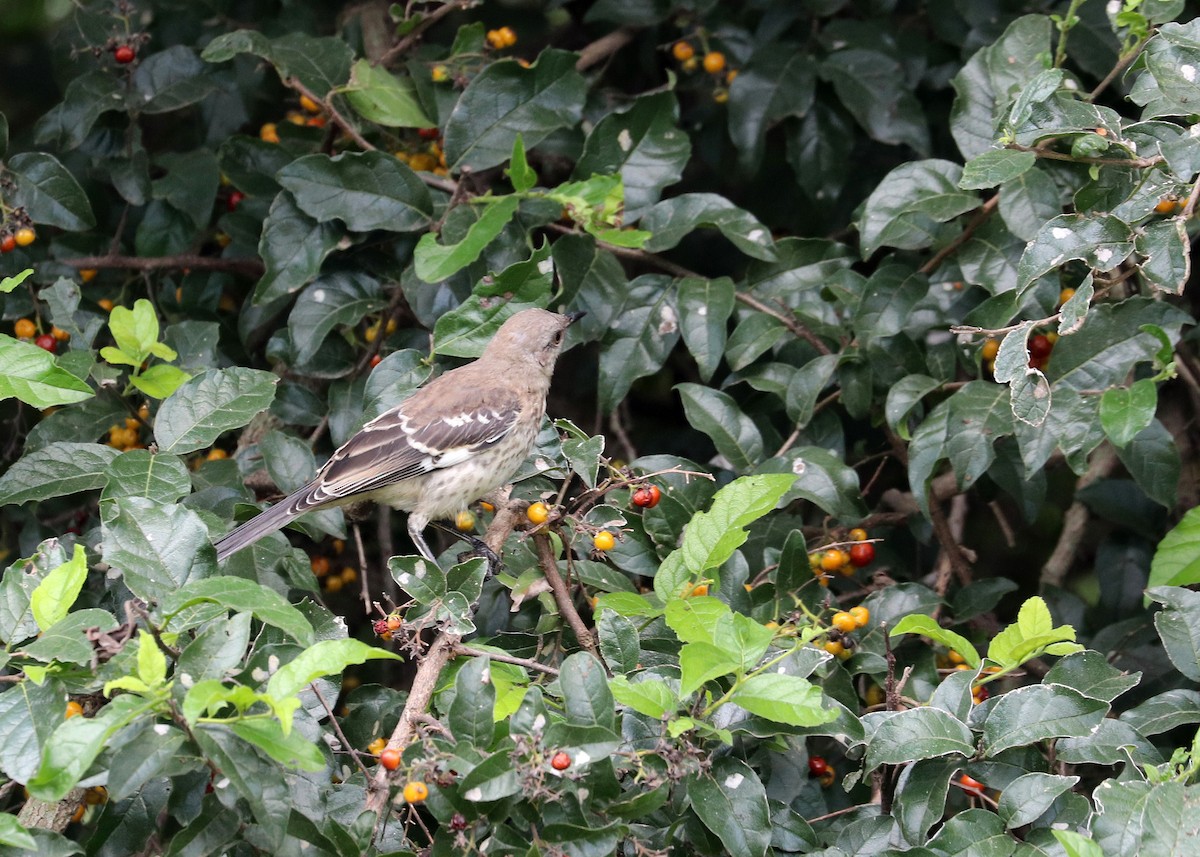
(691, 64)
(605, 541)
(772, 625)
(843, 621)
(832, 560)
(861, 615)
(858, 534)
(834, 648)
(74, 709)
(1166, 205)
(87, 274)
(508, 38)
(333, 584)
(731, 76)
(439, 74)
(26, 236)
(349, 575)
(269, 133)
(295, 117)
(714, 62)
(59, 334)
(415, 792)
(683, 50)
(309, 105)
(25, 328)
(376, 746)
(464, 521)
(1065, 295)
(538, 512)
(720, 95)
(956, 658)
(990, 349)
(216, 454)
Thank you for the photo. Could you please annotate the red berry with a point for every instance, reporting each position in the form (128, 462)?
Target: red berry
(235, 199)
(390, 758)
(375, 360)
(970, 784)
(124, 54)
(647, 496)
(817, 766)
(458, 821)
(1040, 347)
(862, 554)
(428, 133)
(7, 244)
(46, 342)
(380, 627)
(561, 761)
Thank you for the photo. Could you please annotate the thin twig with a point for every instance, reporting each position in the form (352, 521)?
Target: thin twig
(604, 47)
(363, 568)
(981, 216)
(528, 663)
(1122, 63)
(251, 268)
(562, 596)
(1050, 154)
(1075, 521)
(414, 35)
(337, 727)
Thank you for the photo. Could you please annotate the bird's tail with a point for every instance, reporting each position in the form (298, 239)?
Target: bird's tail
(263, 524)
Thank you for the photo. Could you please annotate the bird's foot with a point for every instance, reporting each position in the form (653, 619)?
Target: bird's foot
(480, 549)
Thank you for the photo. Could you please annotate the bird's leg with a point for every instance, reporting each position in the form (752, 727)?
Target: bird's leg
(414, 532)
(479, 548)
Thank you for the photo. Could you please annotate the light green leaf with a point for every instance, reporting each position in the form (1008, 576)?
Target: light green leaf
(30, 374)
(926, 626)
(435, 262)
(206, 406)
(382, 97)
(56, 594)
(783, 699)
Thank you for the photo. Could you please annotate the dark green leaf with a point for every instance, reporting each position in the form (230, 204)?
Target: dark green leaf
(364, 190)
(293, 246)
(171, 79)
(995, 167)
(339, 299)
(704, 309)
(732, 803)
(907, 207)
(470, 715)
(239, 595)
(436, 262)
(156, 548)
(208, 405)
(50, 193)
(56, 470)
(1030, 714)
(672, 219)
(141, 473)
(586, 698)
(1164, 712)
(920, 733)
(639, 340)
(1126, 411)
(871, 85)
(718, 416)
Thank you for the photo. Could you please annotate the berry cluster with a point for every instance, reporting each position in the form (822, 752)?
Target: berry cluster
(501, 38)
(820, 770)
(838, 641)
(332, 580)
(712, 62)
(861, 553)
(25, 329)
(425, 155)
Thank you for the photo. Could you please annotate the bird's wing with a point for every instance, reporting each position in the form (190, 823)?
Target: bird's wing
(420, 435)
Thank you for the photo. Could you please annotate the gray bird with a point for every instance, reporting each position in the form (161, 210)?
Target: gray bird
(451, 442)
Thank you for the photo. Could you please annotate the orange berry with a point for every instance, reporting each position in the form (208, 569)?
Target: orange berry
(105, 304)
(96, 795)
(538, 513)
(507, 36)
(486, 506)
(720, 95)
(832, 560)
(1166, 205)
(464, 521)
(439, 74)
(320, 565)
(393, 622)
(731, 76)
(1065, 295)
(698, 589)
(647, 496)
(26, 236)
(333, 584)
(87, 274)
(970, 784)
(861, 615)
(858, 534)
(560, 761)
(376, 746)
(846, 569)
(826, 779)
(843, 621)
(74, 709)
(338, 545)
(216, 454)
(683, 51)
(25, 328)
(390, 759)
(605, 541)
(956, 658)
(415, 792)
(59, 334)
(714, 62)
(269, 133)
(349, 575)
(308, 104)
(834, 647)
(990, 349)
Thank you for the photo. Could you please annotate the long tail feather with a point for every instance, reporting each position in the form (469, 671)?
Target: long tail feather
(263, 524)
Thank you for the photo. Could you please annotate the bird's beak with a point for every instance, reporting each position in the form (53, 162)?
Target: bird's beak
(573, 317)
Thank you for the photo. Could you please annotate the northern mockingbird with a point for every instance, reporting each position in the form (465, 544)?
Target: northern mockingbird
(454, 440)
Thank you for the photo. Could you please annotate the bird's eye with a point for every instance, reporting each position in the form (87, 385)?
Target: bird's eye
(558, 337)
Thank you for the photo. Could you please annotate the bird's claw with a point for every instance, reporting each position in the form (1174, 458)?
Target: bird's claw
(480, 549)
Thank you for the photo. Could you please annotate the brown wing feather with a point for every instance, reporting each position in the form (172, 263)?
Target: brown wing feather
(423, 433)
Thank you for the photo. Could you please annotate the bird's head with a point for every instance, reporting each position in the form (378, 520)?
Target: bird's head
(531, 338)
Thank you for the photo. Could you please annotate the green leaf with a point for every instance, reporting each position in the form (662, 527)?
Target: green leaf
(49, 193)
(587, 700)
(522, 176)
(908, 206)
(30, 374)
(382, 97)
(644, 145)
(711, 537)
(1030, 795)
(25, 725)
(141, 473)
(156, 548)
(783, 699)
(321, 64)
(12, 833)
(1102, 241)
(1076, 844)
(822, 478)
(921, 796)
(206, 406)
(1126, 411)
(779, 81)
(364, 190)
(1032, 633)
(171, 79)
(871, 85)
(238, 595)
(903, 398)
(490, 780)
(75, 744)
(673, 219)
(470, 716)
(435, 262)
(1164, 712)
(56, 470)
(1179, 628)
(927, 626)
(1091, 674)
(56, 594)
(505, 100)
(1031, 714)
(7, 284)
(995, 167)
(1176, 560)
(160, 380)
(287, 748)
(704, 309)
(920, 733)
(731, 802)
(1165, 261)
(415, 576)
(702, 662)
(734, 434)
(151, 662)
(326, 657)
(293, 246)
(651, 697)
(639, 339)
(619, 644)
(334, 300)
